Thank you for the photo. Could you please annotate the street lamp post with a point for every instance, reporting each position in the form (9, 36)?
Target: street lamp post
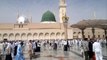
(65, 24)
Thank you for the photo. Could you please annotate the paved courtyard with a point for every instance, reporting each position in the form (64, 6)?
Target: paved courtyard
(50, 54)
(104, 51)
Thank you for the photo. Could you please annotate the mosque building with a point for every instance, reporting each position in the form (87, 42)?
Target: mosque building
(25, 29)
(48, 28)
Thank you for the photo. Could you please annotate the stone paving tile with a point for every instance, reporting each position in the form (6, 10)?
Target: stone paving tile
(49, 54)
(104, 50)
(57, 55)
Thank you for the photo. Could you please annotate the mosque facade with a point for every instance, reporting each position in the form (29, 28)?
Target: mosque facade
(25, 29)
(48, 28)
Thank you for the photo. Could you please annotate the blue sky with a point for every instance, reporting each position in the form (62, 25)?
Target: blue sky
(76, 9)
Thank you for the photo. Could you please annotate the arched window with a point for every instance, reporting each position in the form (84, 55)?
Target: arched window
(41, 36)
(47, 36)
(0, 37)
(74, 32)
(17, 36)
(11, 36)
(103, 36)
(88, 36)
(23, 36)
(35, 35)
(29, 36)
(98, 36)
(5, 36)
(58, 35)
(52, 35)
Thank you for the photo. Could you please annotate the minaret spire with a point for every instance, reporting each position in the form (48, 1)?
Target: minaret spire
(17, 16)
(30, 19)
(94, 14)
(62, 9)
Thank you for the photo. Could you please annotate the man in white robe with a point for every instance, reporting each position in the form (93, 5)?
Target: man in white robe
(97, 50)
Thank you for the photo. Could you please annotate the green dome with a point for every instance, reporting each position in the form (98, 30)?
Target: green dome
(48, 17)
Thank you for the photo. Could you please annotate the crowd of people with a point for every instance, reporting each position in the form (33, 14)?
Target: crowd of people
(14, 50)
(91, 49)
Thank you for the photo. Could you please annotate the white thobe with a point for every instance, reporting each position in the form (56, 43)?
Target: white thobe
(34, 45)
(98, 50)
(64, 43)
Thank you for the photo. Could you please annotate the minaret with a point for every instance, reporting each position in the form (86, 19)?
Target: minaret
(17, 16)
(30, 20)
(94, 15)
(62, 9)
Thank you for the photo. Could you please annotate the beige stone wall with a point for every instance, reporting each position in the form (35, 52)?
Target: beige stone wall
(88, 33)
(26, 34)
(43, 31)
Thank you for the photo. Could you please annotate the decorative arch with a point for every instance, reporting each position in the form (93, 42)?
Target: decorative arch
(63, 35)
(11, 36)
(79, 32)
(58, 35)
(79, 35)
(35, 35)
(52, 35)
(75, 35)
(17, 36)
(40, 35)
(5, 36)
(29, 36)
(23, 36)
(74, 32)
(47, 36)
(88, 36)
(0, 36)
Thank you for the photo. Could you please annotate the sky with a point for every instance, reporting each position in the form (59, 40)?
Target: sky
(77, 10)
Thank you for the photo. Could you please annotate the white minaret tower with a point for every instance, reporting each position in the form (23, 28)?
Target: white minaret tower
(17, 16)
(62, 9)
(94, 15)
